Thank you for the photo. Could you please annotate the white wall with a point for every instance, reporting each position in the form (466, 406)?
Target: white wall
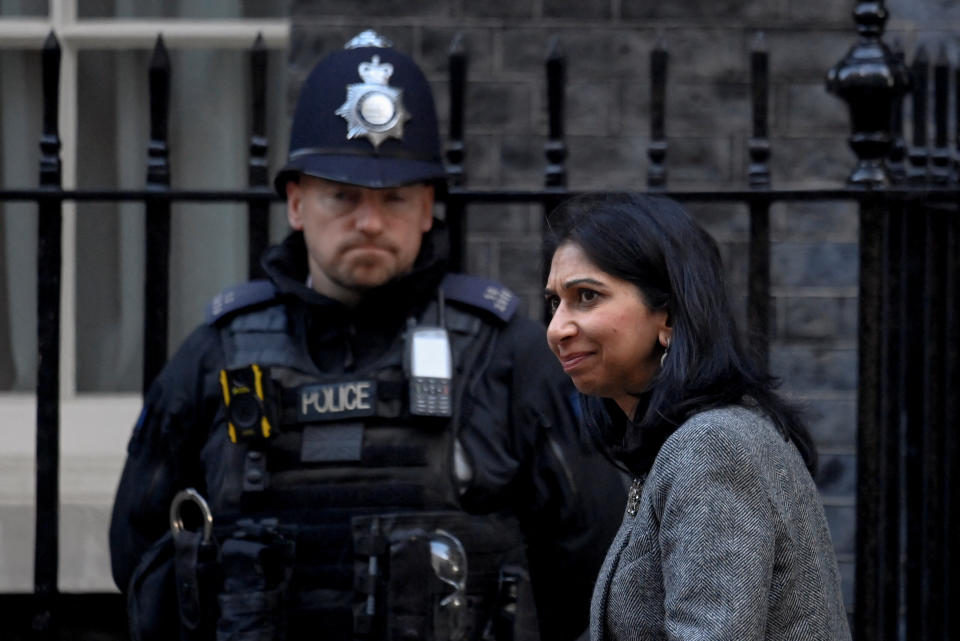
(94, 431)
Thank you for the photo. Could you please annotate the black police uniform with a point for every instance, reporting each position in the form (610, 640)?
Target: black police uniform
(338, 512)
(516, 425)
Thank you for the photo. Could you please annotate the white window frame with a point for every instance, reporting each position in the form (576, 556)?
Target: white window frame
(94, 428)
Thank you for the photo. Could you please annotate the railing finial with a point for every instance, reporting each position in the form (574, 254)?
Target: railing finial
(872, 82)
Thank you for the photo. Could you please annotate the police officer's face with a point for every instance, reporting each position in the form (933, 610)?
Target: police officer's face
(602, 331)
(358, 238)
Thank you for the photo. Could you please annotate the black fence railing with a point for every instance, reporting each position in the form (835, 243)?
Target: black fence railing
(909, 308)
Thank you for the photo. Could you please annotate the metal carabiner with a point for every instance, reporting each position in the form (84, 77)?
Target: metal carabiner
(176, 519)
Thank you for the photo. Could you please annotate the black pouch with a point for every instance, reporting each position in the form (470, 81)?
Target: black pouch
(405, 599)
(257, 563)
(197, 580)
(152, 595)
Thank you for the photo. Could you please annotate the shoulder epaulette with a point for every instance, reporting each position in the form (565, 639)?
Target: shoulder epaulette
(484, 293)
(237, 297)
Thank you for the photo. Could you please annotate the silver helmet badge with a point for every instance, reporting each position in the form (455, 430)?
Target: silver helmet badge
(373, 108)
(368, 38)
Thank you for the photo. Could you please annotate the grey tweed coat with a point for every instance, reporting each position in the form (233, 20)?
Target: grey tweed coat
(729, 543)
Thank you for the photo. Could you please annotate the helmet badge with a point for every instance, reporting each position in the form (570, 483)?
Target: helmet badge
(373, 108)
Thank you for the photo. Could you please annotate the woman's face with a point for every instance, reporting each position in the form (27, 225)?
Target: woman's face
(602, 330)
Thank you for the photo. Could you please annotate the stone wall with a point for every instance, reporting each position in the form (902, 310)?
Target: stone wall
(607, 45)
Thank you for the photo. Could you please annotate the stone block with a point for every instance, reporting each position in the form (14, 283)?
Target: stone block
(504, 220)
(693, 108)
(822, 12)
(634, 106)
(849, 316)
(929, 11)
(590, 108)
(577, 9)
(520, 264)
(482, 258)
(498, 8)
(621, 162)
(807, 54)
(482, 160)
(735, 256)
(607, 162)
(709, 108)
(619, 53)
(701, 161)
(700, 10)
(807, 108)
(832, 422)
(811, 161)
(815, 318)
(726, 222)
(499, 106)
(837, 475)
(422, 9)
(842, 522)
(535, 307)
(712, 54)
(814, 369)
(522, 162)
(739, 309)
(815, 221)
(825, 264)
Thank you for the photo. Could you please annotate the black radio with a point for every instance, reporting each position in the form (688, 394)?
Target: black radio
(430, 368)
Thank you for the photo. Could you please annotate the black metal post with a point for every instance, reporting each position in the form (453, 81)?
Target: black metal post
(940, 156)
(932, 459)
(912, 350)
(874, 567)
(869, 80)
(918, 153)
(887, 435)
(555, 176)
(49, 258)
(258, 210)
(898, 147)
(872, 83)
(657, 149)
(951, 445)
(956, 121)
(556, 148)
(758, 286)
(455, 151)
(157, 277)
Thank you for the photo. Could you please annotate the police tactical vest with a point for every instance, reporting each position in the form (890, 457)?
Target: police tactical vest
(354, 494)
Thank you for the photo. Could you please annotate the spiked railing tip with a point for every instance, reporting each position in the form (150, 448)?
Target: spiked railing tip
(457, 47)
(160, 56)
(759, 42)
(555, 49)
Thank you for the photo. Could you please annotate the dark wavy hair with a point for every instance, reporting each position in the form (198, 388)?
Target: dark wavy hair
(655, 244)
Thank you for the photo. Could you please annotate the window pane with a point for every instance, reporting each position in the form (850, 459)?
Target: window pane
(209, 144)
(182, 9)
(23, 8)
(20, 126)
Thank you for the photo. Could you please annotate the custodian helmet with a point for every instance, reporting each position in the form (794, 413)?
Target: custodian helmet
(366, 117)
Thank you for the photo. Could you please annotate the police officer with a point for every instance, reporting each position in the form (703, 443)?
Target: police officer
(365, 446)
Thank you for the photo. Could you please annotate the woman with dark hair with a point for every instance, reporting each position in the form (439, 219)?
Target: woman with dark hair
(724, 535)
